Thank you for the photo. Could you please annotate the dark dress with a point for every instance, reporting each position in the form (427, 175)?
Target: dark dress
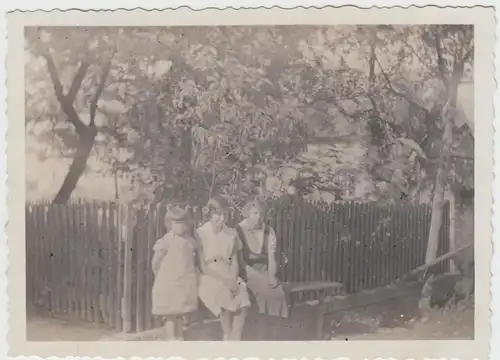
(254, 270)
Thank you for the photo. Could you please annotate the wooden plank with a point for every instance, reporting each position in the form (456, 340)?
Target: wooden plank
(160, 230)
(121, 230)
(335, 249)
(104, 262)
(52, 266)
(70, 237)
(62, 259)
(141, 248)
(294, 287)
(366, 245)
(362, 244)
(383, 218)
(358, 244)
(326, 246)
(31, 246)
(29, 257)
(96, 264)
(68, 218)
(80, 249)
(108, 287)
(372, 221)
(113, 303)
(37, 240)
(337, 245)
(285, 245)
(352, 249)
(410, 224)
(150, 241)
(58, 257)
(305, 243)
(292, 230)
(438, 260)
(85, 255)
(108, 280)
(127, 278)
(321, 245)
(299, 241)
(278, 228)
(452, 221)
(390, 259)
(89, 237)
(396, 243)
(46, 260)
(73, 270)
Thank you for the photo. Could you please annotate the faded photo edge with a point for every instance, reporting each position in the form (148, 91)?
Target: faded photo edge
(483, 21)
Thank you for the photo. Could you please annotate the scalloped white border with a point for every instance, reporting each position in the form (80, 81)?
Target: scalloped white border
(229, 349)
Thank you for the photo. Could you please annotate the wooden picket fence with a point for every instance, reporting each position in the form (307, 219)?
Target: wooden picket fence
(93, 260)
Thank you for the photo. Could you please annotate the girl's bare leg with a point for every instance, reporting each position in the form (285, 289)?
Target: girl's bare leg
(238, 324)
(226, 323)
(170, 328)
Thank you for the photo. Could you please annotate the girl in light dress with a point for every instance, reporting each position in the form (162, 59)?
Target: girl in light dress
(175, 286)
(221, 289)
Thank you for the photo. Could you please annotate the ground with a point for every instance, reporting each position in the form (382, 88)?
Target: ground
(455, 323)
(45, 328)
(449, 326)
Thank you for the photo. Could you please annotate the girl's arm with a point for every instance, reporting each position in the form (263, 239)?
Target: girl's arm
(157, 259)
(160, 250)
(235, 258)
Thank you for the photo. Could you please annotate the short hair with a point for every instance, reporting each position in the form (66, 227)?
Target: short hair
(253, 204)
(216, 204)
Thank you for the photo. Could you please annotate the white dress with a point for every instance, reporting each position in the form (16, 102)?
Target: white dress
(175, 285)
(219, 251)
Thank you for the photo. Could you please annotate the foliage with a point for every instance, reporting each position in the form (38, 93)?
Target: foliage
(239, 110)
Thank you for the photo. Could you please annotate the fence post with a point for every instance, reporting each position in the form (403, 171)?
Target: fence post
(127, 238)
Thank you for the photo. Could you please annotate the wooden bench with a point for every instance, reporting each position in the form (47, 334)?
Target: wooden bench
(322, 289)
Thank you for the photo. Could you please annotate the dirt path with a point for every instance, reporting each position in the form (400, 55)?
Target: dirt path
(446, 326)
(43, 328)
(449, 325)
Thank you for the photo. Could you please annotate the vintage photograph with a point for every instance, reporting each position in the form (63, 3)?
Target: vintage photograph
(261, 183)
(249, 183)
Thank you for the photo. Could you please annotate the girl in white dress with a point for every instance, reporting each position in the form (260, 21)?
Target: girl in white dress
(174, 293)
(221, 289)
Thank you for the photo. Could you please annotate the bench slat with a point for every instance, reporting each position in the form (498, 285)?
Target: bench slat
(311, 286)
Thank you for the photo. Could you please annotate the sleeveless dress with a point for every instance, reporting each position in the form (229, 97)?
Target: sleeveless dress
(175, 284)
(219, 250)
(270, 301)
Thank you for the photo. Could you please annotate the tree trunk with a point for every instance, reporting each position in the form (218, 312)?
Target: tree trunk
(437, 214)
(447, 137)
(78, 165)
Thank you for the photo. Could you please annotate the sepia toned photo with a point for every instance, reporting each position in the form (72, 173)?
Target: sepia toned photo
(254, 182)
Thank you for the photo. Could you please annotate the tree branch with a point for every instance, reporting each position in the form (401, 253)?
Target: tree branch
(77, 82)
(396, 92)
(66, 104)
(100, 89)
(441, 65)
